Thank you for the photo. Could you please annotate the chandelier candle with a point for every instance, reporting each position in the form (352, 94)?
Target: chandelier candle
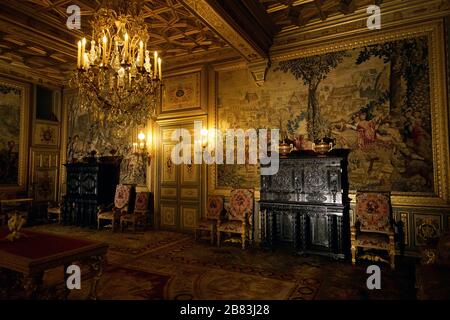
(155, 64)
(125, 49)
(105, 42)
(83, 47)
(159, 68)
(79, 55)
(141, 53)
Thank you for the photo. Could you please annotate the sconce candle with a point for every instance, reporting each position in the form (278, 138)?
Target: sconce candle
(204, 134)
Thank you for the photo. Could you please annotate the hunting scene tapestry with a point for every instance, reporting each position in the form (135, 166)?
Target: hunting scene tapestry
(373, 100)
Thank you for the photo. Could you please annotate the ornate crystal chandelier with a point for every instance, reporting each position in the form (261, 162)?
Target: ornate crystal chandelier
(118, 78)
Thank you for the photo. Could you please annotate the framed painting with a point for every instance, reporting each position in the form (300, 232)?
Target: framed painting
(14, 120)
(368, 94)
(46, 134)
(183, 93)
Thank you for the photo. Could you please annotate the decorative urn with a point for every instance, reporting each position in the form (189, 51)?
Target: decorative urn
(323, 146)
(284, 149)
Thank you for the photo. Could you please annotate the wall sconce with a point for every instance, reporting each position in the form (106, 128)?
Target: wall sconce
(142, 143)
(140, 147)
(204, 134)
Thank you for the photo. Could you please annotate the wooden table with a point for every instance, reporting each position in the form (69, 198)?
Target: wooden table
(36, 252)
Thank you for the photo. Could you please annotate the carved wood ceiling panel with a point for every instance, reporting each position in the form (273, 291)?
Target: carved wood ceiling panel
(294, 14)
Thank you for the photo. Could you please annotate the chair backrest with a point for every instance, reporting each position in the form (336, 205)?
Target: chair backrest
(215, 207)
(122, 197)
(373, 211)
(241, 204)
(142, 202)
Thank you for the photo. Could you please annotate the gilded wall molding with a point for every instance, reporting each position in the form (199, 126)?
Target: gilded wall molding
(394, 14)
(26, 74)
(259, 71)
(213, 19)
(195, 110)
(68, 95)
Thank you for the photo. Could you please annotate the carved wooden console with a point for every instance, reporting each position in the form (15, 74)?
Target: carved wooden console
(305, 205)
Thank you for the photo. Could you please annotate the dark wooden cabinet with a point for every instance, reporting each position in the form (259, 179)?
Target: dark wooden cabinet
(305, 205)
(89, 185)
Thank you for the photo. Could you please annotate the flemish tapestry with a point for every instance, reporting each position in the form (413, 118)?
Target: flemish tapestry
(373, 100)
(87, 135)
(105, 139)
(10, 104)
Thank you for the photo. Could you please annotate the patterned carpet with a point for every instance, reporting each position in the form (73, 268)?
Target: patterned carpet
(165, 265)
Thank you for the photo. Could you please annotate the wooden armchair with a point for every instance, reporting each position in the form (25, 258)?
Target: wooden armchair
(373, 227)
(239, 215)
(121, 202)
(54, 210)
(209, 223)
(139, 214)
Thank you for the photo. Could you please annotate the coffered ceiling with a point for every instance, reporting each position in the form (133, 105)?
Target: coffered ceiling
(33, 33)
(36, 43)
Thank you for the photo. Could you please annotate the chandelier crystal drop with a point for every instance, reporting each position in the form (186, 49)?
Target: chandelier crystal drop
(118, 77)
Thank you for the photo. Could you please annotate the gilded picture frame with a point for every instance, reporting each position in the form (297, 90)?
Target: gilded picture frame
(183, 94)
(46, 133)
(434, 31)
(21, 138)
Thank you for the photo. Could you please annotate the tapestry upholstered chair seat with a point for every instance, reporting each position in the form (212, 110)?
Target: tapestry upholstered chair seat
(139, 214)
(113, 212)
(209, 222)
(239, 215)
(373, 228)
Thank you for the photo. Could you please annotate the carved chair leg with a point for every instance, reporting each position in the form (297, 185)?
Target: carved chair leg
(96, 266)
(392, 258)
(98, 224)
(218, 238)
(243, 240)
(353, 255)
(212, 235)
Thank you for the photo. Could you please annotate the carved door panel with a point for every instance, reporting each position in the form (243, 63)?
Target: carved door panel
(180, 188)
(168, 188)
